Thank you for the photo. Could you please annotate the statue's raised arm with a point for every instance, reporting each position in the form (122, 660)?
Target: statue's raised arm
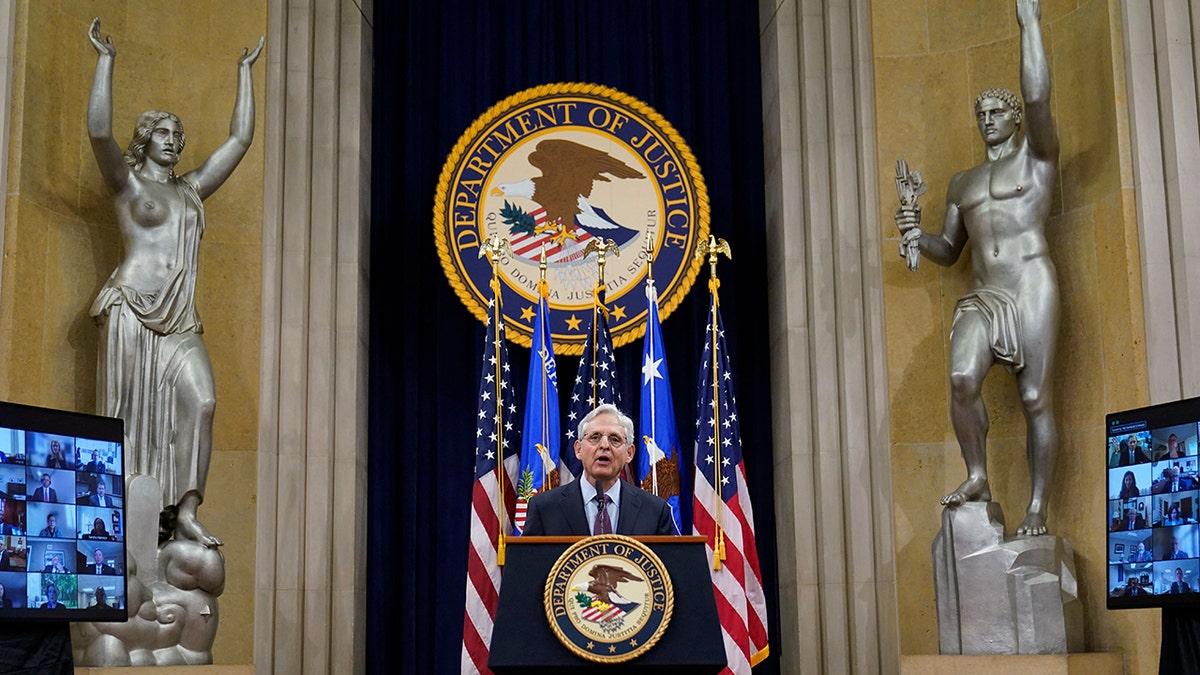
(217, 168)
(99, 116)
(1035, 83)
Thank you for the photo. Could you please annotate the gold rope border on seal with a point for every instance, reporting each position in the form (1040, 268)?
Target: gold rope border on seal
(645, 550)
(473, 303)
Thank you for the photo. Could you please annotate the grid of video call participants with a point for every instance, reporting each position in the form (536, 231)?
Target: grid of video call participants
(61, 515)
(1153, 492)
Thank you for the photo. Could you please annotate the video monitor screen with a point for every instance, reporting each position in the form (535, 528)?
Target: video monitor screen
(62, 548)
(1153, 488)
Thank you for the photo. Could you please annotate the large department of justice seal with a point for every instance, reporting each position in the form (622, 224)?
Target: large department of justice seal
(551, 168)
(609, 598)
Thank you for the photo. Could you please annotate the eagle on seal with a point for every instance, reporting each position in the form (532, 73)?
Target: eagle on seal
(604, 583)
(569, 172)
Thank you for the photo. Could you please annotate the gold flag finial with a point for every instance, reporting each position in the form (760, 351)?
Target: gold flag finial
(601, 247)
(495, 247)
(711, 249)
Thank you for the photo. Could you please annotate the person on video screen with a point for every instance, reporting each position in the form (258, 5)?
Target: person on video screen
(1133, 520)
(51, 528)
(1174, 517)
(1142, 555)
(55, 566)
(1177, 553)
(99, 531)
(1179, 585)
(99, 498)
(599, 502)
(1131, 453)
(101, 599)
(1174, 449)
(96, 465)
(1129, 486)
(51, 598)
(57, 458)
(44, 493)
(5, 601)
(1135, 588)
(5, 526)
(99, 565)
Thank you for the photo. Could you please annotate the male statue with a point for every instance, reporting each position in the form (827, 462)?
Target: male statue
(1011, 315)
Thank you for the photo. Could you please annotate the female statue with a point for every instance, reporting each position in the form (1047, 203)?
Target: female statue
(153, 370)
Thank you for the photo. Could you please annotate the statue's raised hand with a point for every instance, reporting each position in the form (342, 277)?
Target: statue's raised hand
(1028, 12)
(103, 46)
(249, 57)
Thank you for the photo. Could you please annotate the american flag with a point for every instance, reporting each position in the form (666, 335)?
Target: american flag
(595, 384)
(495, 437)
(725, 517)
(540, 437)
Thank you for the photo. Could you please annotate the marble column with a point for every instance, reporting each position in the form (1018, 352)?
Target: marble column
(833, 475)
(1161, 67)
(311, 559)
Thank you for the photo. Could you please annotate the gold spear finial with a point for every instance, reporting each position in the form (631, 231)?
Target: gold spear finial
(650, 255)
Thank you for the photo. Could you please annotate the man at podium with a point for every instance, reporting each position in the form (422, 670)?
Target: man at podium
(599, 502)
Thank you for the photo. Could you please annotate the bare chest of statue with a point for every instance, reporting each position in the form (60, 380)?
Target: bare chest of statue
(152, 204)
(151, 215)
(1003, 198)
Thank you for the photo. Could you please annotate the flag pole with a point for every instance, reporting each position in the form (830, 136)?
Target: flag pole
(600, 248)
(713, 247)
(494, 247)
(544, 294)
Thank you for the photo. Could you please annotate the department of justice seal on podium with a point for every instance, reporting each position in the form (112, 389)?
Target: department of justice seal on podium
(609, 598)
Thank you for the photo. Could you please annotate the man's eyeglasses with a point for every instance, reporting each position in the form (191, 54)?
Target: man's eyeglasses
(614, 440)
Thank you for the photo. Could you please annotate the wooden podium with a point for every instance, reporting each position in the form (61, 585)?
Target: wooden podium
(523, 642)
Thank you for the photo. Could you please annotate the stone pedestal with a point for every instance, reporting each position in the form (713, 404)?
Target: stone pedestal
(171, 595)
(1003, 596)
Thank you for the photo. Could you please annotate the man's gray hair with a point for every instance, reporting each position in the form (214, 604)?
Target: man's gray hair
(607, 409)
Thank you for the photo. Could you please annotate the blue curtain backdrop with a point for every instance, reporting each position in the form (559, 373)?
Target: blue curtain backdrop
(438, 66)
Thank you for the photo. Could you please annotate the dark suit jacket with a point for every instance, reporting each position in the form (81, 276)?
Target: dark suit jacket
(1138, 458)
(1175, 587)
(90, 568)
(559, 512)
(95, 500)
(1137, 524)
(40, 495)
